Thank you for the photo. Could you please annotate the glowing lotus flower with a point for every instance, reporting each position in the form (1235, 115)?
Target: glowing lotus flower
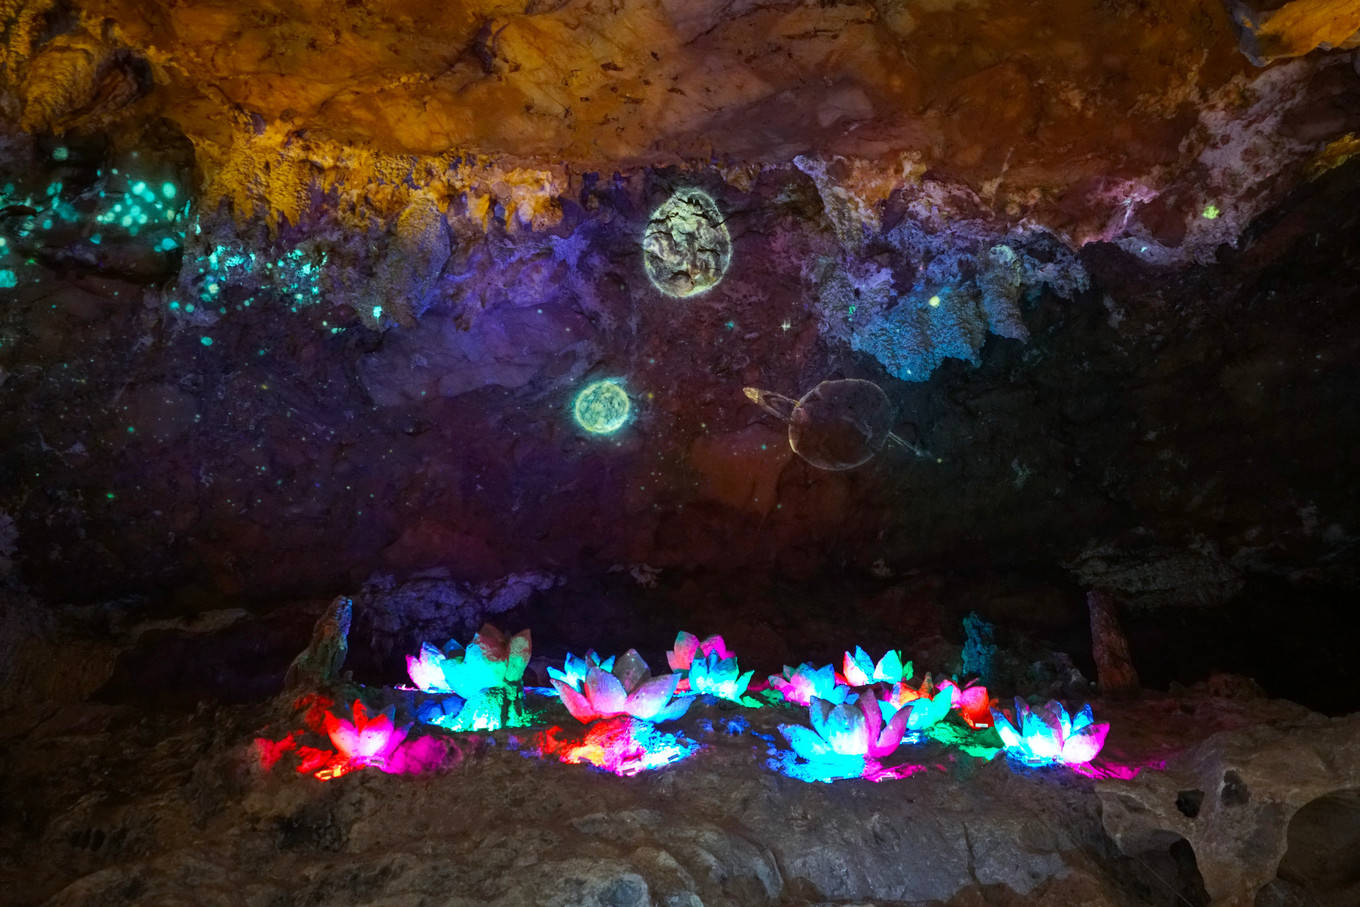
(973, 703)
(859, 670)
(687, 646)
(366, 740)
(629, 689)
(574, 670)
(853, 728)
(721, 677)
(490, 660)
(1047, 735)
(804, 682)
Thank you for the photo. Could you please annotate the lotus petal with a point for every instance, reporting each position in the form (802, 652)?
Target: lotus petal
(1084, 744)
(605, 692)
(1083, 718)
(714, 645)
(845, 731)
(426, 669)
(974, 704)
(375, 735)
(805, 742)
(651, 696)
(857, 668)
(631, 670)
(681, 656)
(890, 737)
(1010, 737)
(676, 708)
(1060, 717)
(521, 647)
(578, 704)
(889, 667)
(926, 712)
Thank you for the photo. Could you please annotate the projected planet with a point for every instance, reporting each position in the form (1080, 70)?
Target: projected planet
(838, 424)
(686, 247)
(602, 407)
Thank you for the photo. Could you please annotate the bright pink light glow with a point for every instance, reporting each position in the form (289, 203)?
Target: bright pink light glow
(366, 740)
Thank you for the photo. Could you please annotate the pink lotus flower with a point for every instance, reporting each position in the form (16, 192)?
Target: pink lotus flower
(687, 645)
(629, 689)
(365, 741)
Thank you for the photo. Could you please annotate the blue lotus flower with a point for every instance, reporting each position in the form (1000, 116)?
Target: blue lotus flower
(1048, 734)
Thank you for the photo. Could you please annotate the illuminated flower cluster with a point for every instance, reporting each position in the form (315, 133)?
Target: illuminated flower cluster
(1048, 735)
(628, 689)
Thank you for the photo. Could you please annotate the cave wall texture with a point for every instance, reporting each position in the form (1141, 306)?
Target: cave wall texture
(296, 294)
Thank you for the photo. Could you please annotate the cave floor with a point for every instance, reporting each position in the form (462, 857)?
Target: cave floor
(115, 803)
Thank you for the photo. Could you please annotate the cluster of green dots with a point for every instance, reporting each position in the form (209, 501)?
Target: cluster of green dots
(113, 207)
(227, 277)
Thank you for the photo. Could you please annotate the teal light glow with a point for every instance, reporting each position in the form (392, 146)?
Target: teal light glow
(602, 407)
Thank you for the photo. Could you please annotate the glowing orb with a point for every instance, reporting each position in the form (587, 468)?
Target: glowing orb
(602, 408)
(686, 247)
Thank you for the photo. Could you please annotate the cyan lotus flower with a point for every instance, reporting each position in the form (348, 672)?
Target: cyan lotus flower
(859, 670)
(804, 682)
(575, 669)
(853, 728)
(922, 710)
(717, 676)
(629, 689)
(687, 646)
(1048, 735)
(365, 740)
(489, 661)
